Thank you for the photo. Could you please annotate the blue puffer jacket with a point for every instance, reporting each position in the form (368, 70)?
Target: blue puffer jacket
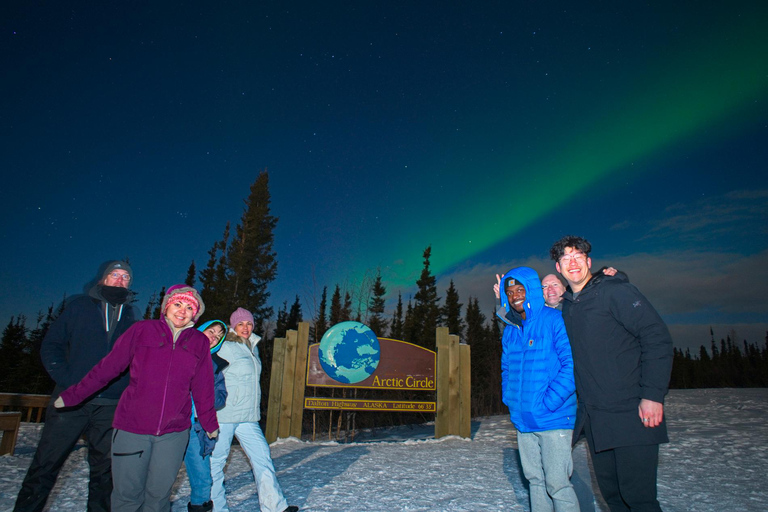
(536, 361)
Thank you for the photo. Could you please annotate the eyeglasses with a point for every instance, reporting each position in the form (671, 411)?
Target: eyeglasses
(124, 277)
(576, 256)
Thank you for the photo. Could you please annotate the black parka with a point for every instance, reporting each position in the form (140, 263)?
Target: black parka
(78, 339)
(622, 353)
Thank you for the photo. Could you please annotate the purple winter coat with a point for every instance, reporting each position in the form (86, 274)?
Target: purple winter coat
(163, 373)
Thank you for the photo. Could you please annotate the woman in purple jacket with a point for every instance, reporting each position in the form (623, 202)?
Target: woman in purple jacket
(168, 360)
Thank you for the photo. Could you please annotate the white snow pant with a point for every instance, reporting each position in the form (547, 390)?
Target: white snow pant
(254, 444)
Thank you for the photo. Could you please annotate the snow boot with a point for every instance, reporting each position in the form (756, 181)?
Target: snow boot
(205, 507)
(292, 508)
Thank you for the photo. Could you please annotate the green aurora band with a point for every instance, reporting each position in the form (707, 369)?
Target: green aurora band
(702, 91)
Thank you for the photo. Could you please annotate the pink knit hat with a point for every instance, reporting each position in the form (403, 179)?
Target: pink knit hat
(186, 298)
(240, 315)
(185, 294)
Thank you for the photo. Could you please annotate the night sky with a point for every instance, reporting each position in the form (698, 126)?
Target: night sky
(485, 129)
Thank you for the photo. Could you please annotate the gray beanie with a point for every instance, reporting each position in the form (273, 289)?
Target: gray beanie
(117, 265)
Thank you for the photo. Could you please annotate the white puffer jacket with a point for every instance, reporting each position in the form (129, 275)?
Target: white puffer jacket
(242, 378)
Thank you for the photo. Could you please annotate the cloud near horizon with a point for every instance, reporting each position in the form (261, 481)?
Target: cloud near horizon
(693, 291)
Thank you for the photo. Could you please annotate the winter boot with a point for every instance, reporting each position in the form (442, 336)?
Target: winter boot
(205, 507)
(292, 508)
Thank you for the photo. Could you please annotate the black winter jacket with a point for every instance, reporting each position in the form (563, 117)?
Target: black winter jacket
(78, 339)
(622, 353)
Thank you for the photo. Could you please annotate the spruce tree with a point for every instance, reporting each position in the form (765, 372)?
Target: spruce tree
(294, 315)
(336, 312)
(281, 324)
(486, 361)
(452, 311)
(190, 280)
(213, 280)
(321, 324)
(410, 326)
(376, 307)
(156, 314)
(426, 309)
(396, 330)
(35, 377)
(151, 305)
(251, 260)
(12, 357)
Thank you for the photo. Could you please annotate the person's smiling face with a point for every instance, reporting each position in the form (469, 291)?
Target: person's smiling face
(553, 290)
(516, 297)
(179, 313)
(244, 329)
(214, 333)
(575, 267)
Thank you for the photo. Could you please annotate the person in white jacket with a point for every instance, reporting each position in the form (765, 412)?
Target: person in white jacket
(240, 417)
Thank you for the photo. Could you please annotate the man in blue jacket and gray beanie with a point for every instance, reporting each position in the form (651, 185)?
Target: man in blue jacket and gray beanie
(78, 339)
(539, 389)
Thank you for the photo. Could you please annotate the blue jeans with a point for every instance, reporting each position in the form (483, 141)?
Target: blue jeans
(547, 464)
(255, 446)
(198, 471)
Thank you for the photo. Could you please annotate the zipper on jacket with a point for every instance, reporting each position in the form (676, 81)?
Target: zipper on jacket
(167, 377)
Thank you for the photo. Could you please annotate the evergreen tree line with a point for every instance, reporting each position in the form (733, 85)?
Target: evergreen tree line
(243, 263)
(727, 367)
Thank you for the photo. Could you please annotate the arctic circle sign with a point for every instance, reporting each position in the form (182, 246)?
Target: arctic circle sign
(351, 355)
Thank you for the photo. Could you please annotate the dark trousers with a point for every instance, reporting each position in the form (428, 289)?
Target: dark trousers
(60, 433)
(627, 476)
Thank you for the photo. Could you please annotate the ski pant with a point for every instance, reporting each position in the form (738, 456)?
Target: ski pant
(61, 431)
(626, 476)
(548, 465)
(254, 444)
(144, 468)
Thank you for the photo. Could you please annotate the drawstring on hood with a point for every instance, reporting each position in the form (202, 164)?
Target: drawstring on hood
(106, 315)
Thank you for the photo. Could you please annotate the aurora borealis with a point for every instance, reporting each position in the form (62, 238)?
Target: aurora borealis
(485, 131)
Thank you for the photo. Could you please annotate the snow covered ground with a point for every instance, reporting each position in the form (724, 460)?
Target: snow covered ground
(717, 461)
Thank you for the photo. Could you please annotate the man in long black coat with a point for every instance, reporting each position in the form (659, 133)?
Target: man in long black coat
(622, 354)
(83, 334)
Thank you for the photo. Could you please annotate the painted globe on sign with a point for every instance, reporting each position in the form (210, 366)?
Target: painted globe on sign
(349, 352)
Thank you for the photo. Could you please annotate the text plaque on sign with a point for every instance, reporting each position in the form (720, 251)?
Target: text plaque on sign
(368, 405)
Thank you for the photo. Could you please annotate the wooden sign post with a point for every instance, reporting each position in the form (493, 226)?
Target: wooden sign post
(453, 386)
(295, 364)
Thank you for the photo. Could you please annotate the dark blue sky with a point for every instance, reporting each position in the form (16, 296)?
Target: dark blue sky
(487, 130)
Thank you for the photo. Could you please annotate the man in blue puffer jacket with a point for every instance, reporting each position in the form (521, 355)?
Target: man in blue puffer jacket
(539, 389)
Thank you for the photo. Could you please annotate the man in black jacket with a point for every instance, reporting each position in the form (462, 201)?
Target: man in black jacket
(622, 354)
(83, 334)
